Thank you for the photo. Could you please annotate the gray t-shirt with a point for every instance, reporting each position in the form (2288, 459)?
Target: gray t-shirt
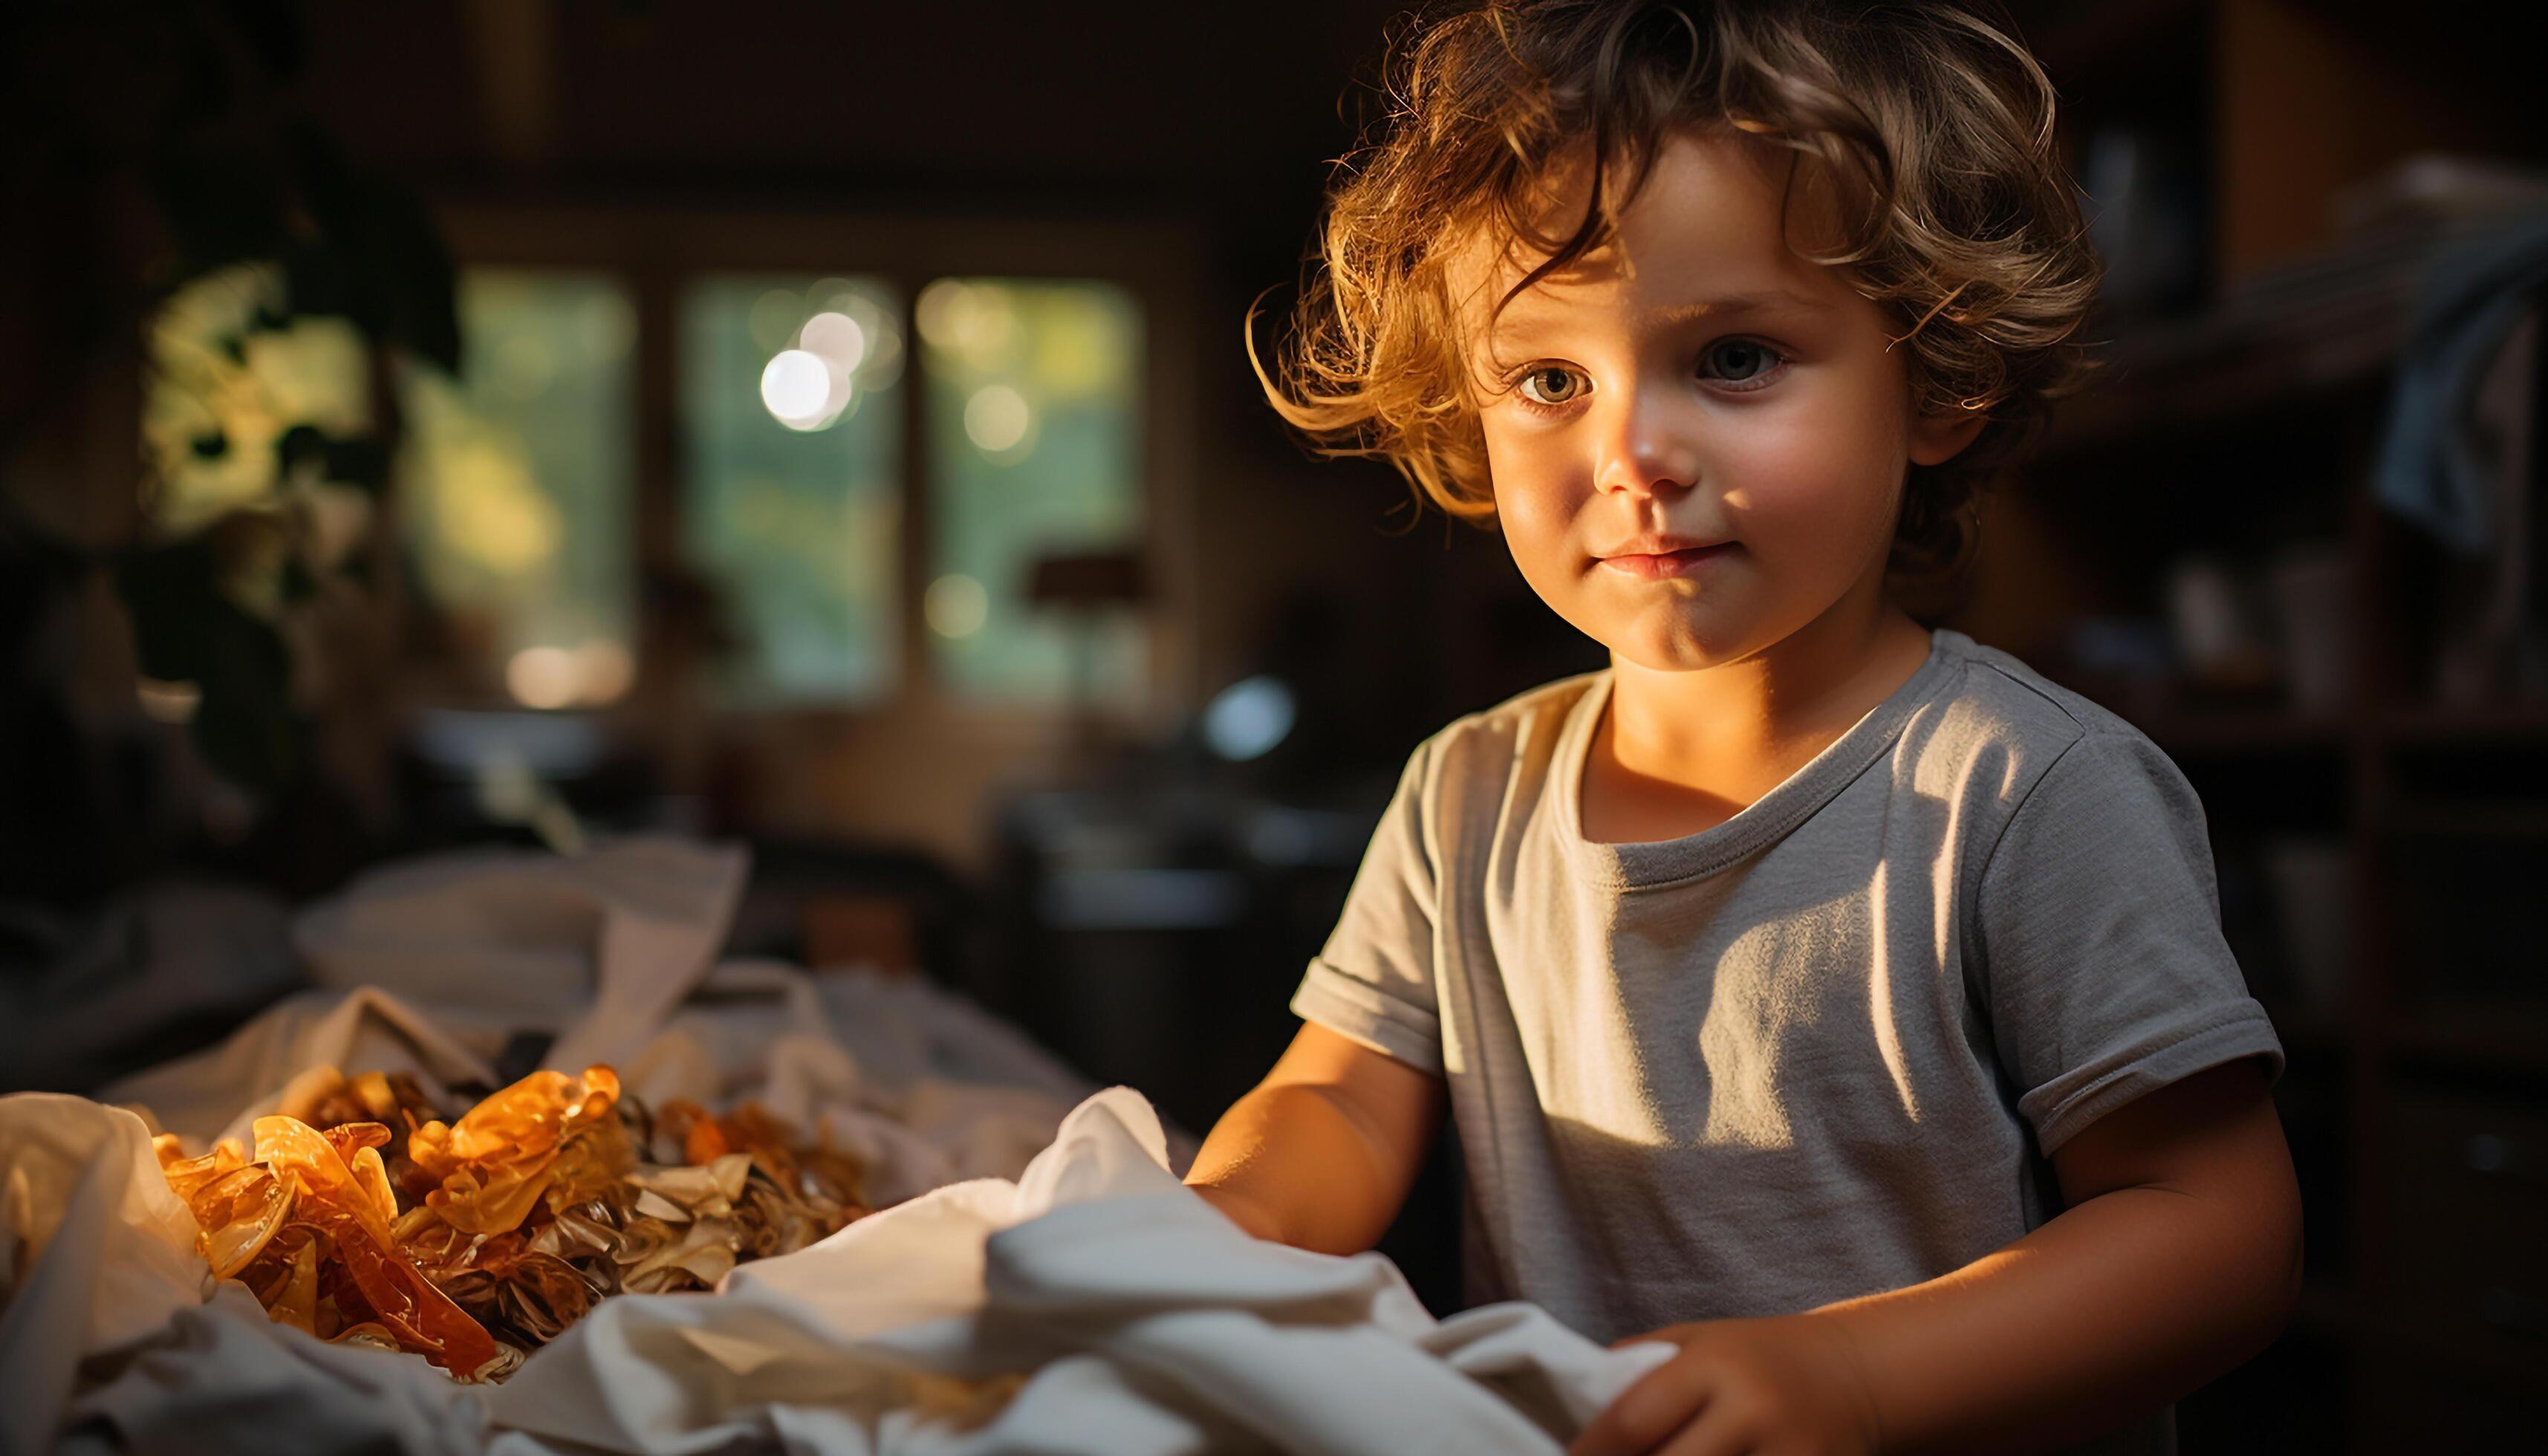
(1819, 1050)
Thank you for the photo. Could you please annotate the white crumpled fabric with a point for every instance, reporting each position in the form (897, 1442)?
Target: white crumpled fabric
(622, 933)
(1092, 1305)
(220, 1092)
(95, 1251)
(1142, 1319)
(1095, 1305)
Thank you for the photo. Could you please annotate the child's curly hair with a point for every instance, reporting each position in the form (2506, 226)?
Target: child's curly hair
(1930, 125)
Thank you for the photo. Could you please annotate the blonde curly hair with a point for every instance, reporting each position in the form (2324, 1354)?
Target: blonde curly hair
(1928, 124)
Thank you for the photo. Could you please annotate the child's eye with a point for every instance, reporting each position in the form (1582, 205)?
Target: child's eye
(1552, 387)
(1739, 363)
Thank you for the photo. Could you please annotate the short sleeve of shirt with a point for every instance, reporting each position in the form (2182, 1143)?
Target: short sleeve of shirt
(2107, 976)
(1373, 981)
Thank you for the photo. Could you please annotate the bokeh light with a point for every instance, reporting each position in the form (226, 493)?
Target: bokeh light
(978, 321)
(168, 702)
(542, 677)
(956, 606)
(997, 419)
(603, 670)
(837, 337)
(795, 386)
(1249, 718)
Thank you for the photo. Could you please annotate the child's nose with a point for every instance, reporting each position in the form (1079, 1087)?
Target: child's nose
(1647, 449)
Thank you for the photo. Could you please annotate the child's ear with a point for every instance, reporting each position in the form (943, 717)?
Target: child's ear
(1938, 438)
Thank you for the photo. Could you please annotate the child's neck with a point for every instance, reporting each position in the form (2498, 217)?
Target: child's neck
(1677, 752)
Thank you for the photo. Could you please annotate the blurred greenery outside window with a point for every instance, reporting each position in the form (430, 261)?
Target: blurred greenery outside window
(793, 461)
(1034, 433)
(518, 493)
(517, 482)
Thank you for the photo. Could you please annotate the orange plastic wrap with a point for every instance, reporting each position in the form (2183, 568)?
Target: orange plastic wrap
(338, 1204)
(504, 1155)
(475, 1240)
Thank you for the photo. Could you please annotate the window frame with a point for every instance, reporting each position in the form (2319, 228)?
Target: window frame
(656, 251)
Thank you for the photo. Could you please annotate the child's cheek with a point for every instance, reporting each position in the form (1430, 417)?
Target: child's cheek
(1813, 490)
(1536, 504)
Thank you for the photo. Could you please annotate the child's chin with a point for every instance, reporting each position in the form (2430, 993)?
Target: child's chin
(1679, 647)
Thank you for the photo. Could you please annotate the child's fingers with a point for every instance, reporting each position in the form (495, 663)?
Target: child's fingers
(1647, 1413)
(1718, 1431)
(1676, 1335)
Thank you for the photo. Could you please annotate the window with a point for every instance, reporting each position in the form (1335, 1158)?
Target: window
(794, 465)
(991, 523)
(1034, 433)
(517, 488)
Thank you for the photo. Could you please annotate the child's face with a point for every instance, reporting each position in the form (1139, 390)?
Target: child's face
(1703, 442)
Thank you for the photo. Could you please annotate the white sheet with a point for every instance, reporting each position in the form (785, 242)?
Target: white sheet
(107, 1250)
(622, 934)
(1092, 1304)
(1144, 1320)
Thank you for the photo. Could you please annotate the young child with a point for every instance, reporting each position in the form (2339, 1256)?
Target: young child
(1833, 998)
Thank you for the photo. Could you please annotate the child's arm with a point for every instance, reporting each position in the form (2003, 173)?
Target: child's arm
(1322, 1153)
(2177, 1258)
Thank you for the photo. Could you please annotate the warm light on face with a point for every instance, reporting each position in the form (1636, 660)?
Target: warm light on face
(1696, 437)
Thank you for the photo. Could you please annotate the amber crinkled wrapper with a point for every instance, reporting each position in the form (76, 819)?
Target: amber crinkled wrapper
(310, 1233)
(473, 1242)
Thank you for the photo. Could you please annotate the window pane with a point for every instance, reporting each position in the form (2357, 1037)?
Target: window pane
(517, 493)
(792, 422)
(1033, 412)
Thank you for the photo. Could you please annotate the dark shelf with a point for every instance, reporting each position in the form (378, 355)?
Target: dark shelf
(2521, 726)
(2313, 1035)
(2500, 1040)
(2079, 37)
(2431, 820)
(2326, 1309)
(2218, 732)
(2175, 373)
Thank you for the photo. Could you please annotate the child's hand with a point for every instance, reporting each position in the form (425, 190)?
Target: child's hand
(1782, 1387)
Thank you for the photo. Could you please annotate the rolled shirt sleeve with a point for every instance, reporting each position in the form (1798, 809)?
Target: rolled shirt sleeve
(1373, 981)
(2107, 975)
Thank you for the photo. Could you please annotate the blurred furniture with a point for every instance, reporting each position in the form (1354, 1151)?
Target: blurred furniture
(1155, 916)
(1081, 589)
(827, 903)
(2197, 546)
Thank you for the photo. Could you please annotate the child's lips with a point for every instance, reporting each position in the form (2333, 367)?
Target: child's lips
(1660, 565)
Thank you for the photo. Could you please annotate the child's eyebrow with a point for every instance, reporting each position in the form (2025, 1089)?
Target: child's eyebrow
(1740, 303)
(1522, 324)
